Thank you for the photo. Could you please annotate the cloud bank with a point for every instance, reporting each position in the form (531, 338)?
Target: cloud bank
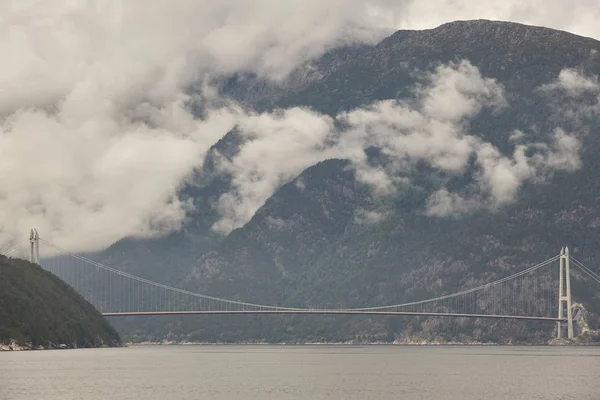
(96, 132)
(277, 148)
(435, 130)
(432, 128)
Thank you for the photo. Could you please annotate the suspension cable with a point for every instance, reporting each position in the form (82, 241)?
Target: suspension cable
(472, 290)
(271, 307)
(585, 269)
(13, 248)
(163, 286)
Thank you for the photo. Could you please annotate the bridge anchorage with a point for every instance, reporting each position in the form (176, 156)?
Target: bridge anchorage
(529, 294)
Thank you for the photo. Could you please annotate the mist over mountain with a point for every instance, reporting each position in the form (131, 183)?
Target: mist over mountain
(115, 104)
(428, 163)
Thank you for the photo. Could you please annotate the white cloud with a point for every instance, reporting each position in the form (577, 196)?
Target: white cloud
(95, 135)
(432, 128)
(455, 93)
(368, 217)
(516, 136)
(277, 148)
(435, 131)
(443, 203)
(85, 183)
(573, 83)
(499, 177)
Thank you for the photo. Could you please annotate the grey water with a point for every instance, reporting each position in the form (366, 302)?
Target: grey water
(303, 372)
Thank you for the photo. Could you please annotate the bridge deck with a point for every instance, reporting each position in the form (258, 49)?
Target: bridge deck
(331, 312)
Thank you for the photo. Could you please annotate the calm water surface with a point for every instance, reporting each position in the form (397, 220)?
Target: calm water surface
(303, 372)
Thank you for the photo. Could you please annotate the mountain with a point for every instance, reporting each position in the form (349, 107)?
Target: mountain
(38, 310)
(521, 57)
(261, 94)
(181, 249)
(326, 239)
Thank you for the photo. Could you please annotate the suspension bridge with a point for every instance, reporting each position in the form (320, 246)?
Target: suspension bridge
(540, 292)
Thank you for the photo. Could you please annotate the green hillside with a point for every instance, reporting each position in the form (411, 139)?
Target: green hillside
(39, 310)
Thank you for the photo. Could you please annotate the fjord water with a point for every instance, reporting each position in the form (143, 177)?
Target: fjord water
(303, 372)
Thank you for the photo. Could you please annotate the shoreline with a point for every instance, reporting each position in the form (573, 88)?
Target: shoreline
(17, 347)
(349, 344)
(14, 346)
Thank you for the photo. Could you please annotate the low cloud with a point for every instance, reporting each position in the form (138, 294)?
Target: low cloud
(498, 177)
(278, 146)
(575, 96)
(96, 131)
(85, 183)
(432, 128)
(443, 203)
(573, 83)
(429, 127)
(435, 130)
(368, 217)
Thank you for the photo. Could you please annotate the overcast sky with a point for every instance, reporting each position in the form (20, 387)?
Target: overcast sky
(95, 138)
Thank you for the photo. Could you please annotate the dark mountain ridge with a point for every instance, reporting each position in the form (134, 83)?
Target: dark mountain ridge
(307, 245)
(522, 57)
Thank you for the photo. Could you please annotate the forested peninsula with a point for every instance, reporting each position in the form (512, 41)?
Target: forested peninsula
(39, 311)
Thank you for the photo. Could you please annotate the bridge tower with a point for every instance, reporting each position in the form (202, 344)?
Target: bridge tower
(564, 295)
(34, 246)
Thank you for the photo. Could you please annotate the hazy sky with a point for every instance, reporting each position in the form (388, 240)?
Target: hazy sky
(95, 138)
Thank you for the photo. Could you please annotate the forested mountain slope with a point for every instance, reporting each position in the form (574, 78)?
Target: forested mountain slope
(39, 310)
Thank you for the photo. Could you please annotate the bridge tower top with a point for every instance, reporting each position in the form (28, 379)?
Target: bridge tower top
(34, 246)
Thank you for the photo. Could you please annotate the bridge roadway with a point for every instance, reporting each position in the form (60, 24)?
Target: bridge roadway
(330, 312)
